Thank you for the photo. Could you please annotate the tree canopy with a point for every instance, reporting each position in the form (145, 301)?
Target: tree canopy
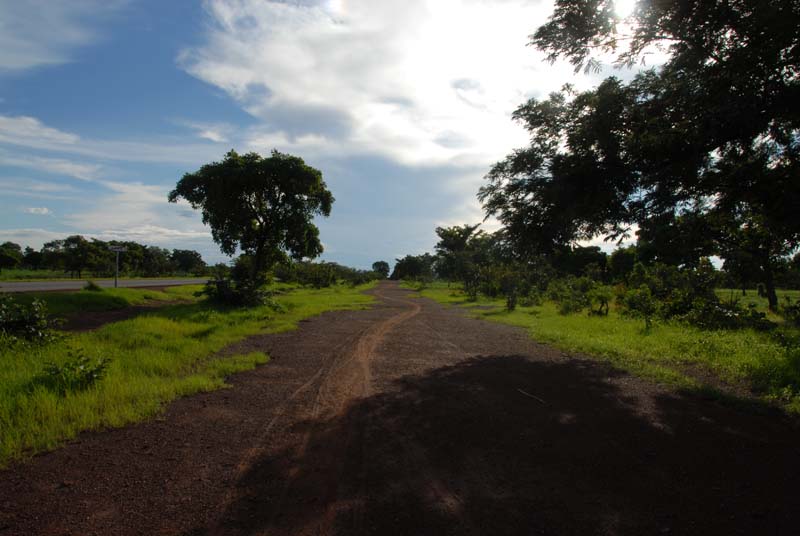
(707, 143)
(262, 206)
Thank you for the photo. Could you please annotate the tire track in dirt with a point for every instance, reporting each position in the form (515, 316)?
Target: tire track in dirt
(345, 377)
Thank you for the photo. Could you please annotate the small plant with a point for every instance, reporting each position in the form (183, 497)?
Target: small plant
(24, 322)
(92, 286)
(640, 303)
(791, 312)
(600, 296)
(77, 373)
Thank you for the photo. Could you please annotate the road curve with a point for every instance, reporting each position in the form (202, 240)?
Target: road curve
(77, 284)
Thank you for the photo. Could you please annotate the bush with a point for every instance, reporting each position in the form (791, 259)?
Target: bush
(639, 302)
(24, 322)
(791, 312)
(77, 373)
(600, 296)
(570, 294)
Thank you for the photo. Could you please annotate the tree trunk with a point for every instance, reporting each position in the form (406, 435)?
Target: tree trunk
(769, 284)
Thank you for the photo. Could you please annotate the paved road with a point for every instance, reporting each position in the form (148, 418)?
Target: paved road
(77, 284)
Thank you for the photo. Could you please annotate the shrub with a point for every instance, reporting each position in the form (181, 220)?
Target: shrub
(600, 296)
(24, 322)
(77, 373)
(791, 312)
(570, 294)
(639, 302)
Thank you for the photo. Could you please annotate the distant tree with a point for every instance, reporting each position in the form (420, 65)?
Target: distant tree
(261, 206)
(10, 255)
(53, 255)
(32, 259)
(156, 261)
(382, 268)
(78, 254)
(413, 267)
(621, 262)
(453, 251)
(188, 261)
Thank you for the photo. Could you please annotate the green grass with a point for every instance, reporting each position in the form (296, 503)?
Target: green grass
(61, 303)
(156, 358)
(726, 294)
(668, 353)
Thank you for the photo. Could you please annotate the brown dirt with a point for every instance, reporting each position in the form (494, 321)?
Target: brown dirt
(410, 418)
(89, 320)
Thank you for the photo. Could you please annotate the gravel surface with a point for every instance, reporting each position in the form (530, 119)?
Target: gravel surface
(411, 419)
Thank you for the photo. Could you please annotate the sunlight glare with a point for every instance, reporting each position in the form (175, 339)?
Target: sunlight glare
(624, 8)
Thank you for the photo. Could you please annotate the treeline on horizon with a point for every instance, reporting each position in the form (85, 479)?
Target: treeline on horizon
(76, 256)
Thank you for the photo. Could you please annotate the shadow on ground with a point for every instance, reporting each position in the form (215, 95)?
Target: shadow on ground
(506, 445)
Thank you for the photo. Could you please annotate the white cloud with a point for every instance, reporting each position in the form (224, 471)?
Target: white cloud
(58, 166)
(425, 82)
(30, 132)
(41, 211)
(34, 33)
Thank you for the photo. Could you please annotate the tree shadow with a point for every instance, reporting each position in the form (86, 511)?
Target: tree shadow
(508, 445)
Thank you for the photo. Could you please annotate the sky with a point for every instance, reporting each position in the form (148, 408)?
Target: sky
(403, 106)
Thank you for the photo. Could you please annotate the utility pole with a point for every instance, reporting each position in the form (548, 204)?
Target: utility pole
(117, 250)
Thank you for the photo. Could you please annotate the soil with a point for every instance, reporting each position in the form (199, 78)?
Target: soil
(411, 418)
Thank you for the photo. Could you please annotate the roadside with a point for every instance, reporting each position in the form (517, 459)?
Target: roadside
(77, 284)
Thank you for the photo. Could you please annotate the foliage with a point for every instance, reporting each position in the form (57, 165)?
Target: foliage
(413, 267)
(27, 322)
(701, 154)
(600, 296)
(381, 268)
(263, 207)
(10, 255)
(168, 353)
(76, 373)
(570, 293)
(640, 303)
(668, 353)
(240, 289)
(791, 312)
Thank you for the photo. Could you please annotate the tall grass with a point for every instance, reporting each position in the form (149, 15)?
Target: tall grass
(669, 353)
(155, 358)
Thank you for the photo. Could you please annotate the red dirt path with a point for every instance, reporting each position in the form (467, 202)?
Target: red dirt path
(410, 418)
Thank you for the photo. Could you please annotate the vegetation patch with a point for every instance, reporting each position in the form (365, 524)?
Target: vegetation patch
(765, 362)
(126, 371)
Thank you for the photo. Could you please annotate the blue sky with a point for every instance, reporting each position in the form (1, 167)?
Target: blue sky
(403, 106)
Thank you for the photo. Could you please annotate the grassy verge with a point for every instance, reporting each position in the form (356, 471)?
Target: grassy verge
(672, 354)
(156, 358)
(61, 303)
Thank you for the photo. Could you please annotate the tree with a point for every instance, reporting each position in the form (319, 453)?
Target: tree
(10, 255)
(382, 268)
(712, 132)
(453, 250)
(188, 261)
(413, 267)
(262, 206)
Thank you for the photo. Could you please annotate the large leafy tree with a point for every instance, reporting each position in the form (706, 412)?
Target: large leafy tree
(10, 255)
(712, 133)
(263, 206)
(381, 267)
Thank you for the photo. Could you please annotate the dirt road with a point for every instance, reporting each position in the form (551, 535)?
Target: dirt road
(412, 419)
